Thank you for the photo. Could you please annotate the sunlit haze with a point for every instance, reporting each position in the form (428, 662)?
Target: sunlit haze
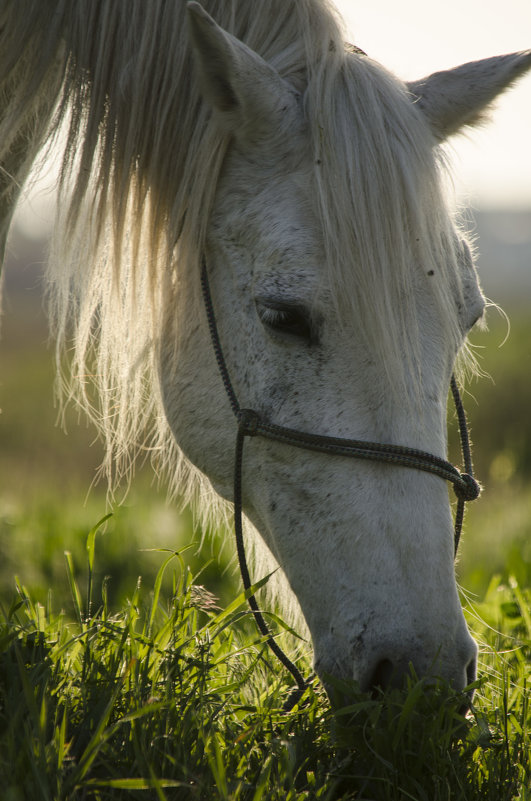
(492, 166)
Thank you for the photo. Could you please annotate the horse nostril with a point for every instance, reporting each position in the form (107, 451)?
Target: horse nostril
(382, 675)
(471, 671)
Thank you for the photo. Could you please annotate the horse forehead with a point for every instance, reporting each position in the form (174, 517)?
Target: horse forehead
(269, 210)
(284, 215)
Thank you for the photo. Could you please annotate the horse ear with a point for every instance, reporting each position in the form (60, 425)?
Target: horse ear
(248, 94)
(459, 97)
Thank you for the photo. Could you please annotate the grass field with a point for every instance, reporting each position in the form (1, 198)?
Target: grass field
(171, 697)
(115, 687)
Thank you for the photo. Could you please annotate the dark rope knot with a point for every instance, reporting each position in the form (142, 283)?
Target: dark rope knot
(467, 488)
(248, 421)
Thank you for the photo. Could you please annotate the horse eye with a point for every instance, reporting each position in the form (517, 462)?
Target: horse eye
(286, 319)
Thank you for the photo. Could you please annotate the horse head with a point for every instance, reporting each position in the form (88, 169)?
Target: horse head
(343, 293)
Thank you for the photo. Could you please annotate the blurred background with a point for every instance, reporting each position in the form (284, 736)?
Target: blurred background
(47, 499)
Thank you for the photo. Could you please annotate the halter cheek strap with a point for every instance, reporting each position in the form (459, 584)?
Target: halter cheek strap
(252, 424)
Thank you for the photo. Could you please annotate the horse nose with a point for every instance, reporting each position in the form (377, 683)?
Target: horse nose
(386, 673)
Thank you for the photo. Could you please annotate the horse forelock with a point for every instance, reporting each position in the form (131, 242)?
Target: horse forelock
(388, 222)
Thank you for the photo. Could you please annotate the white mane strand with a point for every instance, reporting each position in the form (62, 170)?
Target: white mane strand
(140, 169)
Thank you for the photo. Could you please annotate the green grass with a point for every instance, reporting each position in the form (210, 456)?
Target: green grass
(150, 692)
(35, 536)
(168, 697)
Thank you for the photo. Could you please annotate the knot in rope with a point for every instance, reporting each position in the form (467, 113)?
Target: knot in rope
(248, 421)
(467, 488)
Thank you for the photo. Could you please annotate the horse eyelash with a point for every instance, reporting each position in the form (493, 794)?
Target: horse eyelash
(272, 317)
(291, 320)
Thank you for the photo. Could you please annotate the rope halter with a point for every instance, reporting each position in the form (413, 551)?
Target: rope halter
(252, 424)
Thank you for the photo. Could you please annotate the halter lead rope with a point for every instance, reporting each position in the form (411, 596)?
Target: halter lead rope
(251, 424)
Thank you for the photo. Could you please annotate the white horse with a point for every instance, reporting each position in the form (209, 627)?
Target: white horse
(310, 181)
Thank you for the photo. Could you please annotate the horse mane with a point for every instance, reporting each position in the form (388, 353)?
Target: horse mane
(142, 156)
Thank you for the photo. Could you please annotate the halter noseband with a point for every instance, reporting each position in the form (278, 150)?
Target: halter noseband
(252, 424)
